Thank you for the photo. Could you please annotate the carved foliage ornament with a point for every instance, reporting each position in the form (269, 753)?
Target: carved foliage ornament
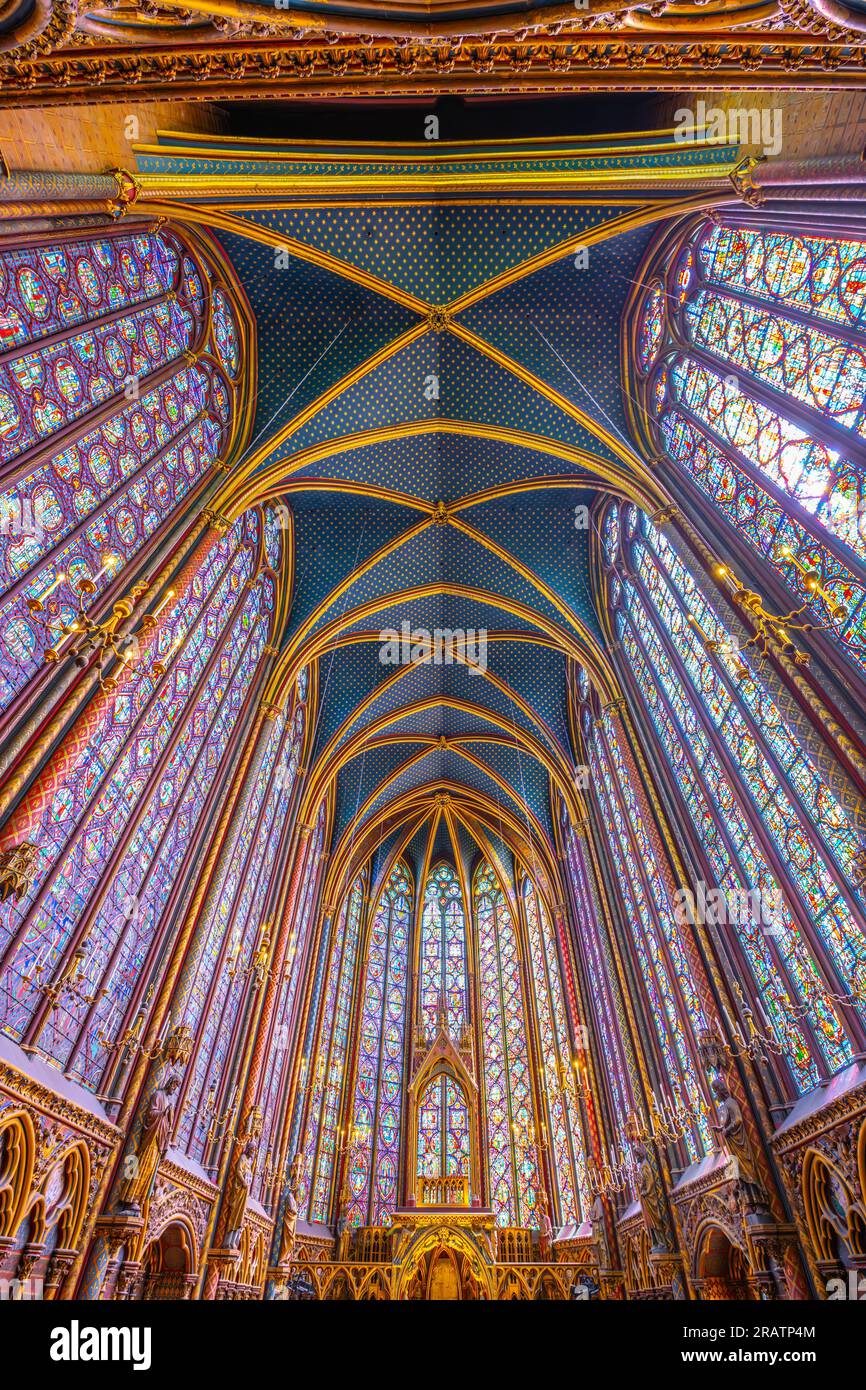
(385, 63)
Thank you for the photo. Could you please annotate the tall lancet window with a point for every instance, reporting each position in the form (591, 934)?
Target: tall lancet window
(507, 1079)
(750, 357)
(657, 935)
(779, 844)
(235, 931)
(443, 952)
(600, 975)
(379, 1085)
(557, 1078)
(116, 832)
(327, 1072)
(283, 1033)
(116, 399)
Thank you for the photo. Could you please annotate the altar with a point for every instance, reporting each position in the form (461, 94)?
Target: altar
(444, 1252)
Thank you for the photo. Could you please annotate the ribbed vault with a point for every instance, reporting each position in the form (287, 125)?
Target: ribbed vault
(440, 410)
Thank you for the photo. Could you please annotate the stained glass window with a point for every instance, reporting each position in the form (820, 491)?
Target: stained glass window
(47, 389)
(777, 798)
(49, 289)
(326, 1075)
(669, 986)
(557, 1063)
(443, 952)
(110, 425)
(219, 985)
(376, 1126)
(652, 326)
(825, 276)
(509, 1106)
(92, 508)
(226, 333)
(763, 406)
(115, 835)
(600, 977)
(443, 1129)
(278, 1071)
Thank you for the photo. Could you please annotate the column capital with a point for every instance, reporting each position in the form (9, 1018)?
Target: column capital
(216, 520)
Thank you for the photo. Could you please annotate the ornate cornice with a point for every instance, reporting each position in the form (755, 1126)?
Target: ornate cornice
(182, 1177)
(23, 1089)
(277, 66)
(850, 1106)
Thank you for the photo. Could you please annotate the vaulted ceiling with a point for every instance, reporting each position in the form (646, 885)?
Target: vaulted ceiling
(438, 389)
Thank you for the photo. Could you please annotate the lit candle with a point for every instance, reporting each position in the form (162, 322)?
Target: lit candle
(106, 565)
(762, 1011)
(167, 599)
(160, 666)
(112, 1018)
(61, 575)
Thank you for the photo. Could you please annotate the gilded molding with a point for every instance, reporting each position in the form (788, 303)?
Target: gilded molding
(850, 1106)
(22, 1088)
(333, 66)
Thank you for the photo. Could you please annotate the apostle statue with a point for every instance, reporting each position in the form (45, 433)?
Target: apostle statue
(648, 1197)
(599, 1233)
(735, 1138)
(290, 1226)
(296, 1172)
(545, 1228)
(238, 1192)
(341, 1227)
(153, 1138)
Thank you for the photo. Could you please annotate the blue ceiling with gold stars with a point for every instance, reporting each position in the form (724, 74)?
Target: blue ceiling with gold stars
(438, 400)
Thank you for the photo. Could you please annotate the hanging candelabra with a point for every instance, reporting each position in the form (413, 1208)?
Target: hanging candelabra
(351, 1143)
(671, 1118)
(578, 1075)
(811, 581)
(131, 1039)
(530, 1145)
(219, 1121)
(770, 629)
(615, 1175)
(757, 1043)
(727, 649)
(71, 982)
(853, 997)
(82, 635)
(270, 1170)
(259, 966)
